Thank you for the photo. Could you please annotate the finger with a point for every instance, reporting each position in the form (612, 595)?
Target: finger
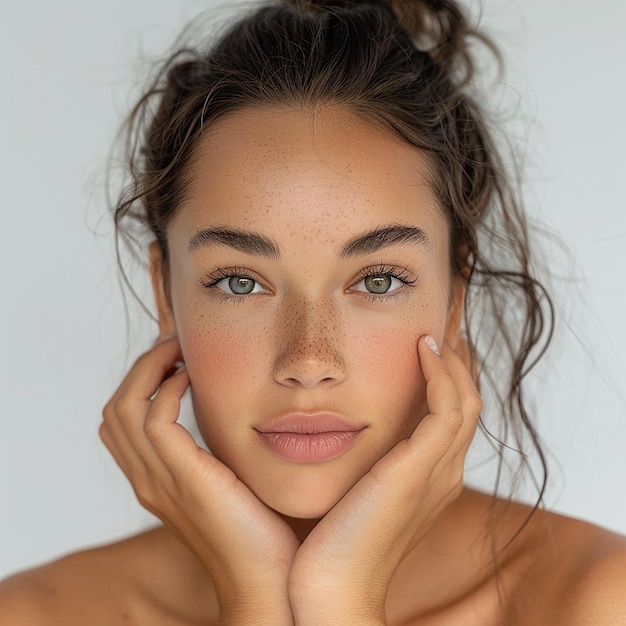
(138, 461)
(471, 405)
(135, 463)
(468, 393)
(166, 402)
(165, 408)
(128, 443)
(443, 400)
(171, 441)
(125, 413)
(464, 352)
(193, 468)
(122, 430)
(131, 446)
(150, 370)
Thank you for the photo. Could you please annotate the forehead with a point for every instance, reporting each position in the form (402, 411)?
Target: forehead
(326, 170)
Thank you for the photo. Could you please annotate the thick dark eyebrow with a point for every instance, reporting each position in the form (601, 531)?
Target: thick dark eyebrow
(244, 241)
(384, 237)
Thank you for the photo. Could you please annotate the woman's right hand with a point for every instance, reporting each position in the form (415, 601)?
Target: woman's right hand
(246, 547)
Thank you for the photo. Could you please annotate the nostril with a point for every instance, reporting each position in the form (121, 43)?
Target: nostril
(294, 372)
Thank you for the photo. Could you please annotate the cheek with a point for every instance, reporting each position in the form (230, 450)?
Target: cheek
(225, 361)
(218, 350)
(393, 386)
(383, 353)
(213, 337)
(214, 353)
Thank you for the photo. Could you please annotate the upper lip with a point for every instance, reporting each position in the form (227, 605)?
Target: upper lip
(309, 424)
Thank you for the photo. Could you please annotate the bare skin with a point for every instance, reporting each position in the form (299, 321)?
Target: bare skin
(306, 215)
(577, 580)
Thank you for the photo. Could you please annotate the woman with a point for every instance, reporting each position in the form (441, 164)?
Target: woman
(338, 261)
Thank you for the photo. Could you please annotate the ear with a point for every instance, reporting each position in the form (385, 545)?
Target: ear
(159, 276)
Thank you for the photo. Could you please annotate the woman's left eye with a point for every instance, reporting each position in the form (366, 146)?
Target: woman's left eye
(379, 284)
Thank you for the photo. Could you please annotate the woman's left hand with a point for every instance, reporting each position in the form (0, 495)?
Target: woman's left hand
(342, 571)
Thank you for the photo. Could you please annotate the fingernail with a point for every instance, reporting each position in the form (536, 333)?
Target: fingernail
(180, 366)
(432, 344)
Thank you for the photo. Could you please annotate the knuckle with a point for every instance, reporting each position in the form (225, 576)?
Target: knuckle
(103, 432)
(151, 495)
(455, 419)
(141, 360)
(145, 497)
(151, 428)
(123, 406)
(144, 493)
(473, 403)
(108, 411)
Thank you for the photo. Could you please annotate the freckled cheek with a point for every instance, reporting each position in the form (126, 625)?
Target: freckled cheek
(384, 356)
(385, 366)
(220, 352)
(225, 360)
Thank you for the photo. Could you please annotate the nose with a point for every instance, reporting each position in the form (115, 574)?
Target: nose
(309, 345)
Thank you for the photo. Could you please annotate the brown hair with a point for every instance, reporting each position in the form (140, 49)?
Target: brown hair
(408, 65)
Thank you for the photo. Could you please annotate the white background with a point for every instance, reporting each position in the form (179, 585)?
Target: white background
(66, 79)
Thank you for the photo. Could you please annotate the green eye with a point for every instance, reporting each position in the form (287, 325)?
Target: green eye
(378, 284)
(382, 281)
(241, 285)
(234, 282)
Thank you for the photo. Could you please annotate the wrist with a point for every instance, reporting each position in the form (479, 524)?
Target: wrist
(262, 607)
(244, 616)
(339, 610)
(329, 601)
(339, 616)
(259, 614)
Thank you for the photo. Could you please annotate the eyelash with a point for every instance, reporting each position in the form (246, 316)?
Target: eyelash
(214, 278)
(394, 271)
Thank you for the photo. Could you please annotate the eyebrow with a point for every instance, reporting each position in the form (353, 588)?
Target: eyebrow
(258, 245)
(244, 241)
(384, 237)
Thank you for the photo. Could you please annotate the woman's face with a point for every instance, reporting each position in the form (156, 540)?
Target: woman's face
(307, 258)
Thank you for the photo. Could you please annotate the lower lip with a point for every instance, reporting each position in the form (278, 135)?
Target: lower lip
(312, 448)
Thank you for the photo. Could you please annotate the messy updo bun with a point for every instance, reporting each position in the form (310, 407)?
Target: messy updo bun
(438, 27)
(407, 65)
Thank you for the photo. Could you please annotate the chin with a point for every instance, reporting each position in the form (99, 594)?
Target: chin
(313, 508)
(306, 492)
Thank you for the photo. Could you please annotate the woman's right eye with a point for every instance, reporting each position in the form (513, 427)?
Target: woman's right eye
(239, 285)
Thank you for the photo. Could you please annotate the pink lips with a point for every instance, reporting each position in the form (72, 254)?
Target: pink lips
(309, 438)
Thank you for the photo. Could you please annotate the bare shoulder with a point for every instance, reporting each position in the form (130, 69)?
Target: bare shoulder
(579, 575)
(148, 578)
(54, 593)
(25, 599)
(595, 592)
